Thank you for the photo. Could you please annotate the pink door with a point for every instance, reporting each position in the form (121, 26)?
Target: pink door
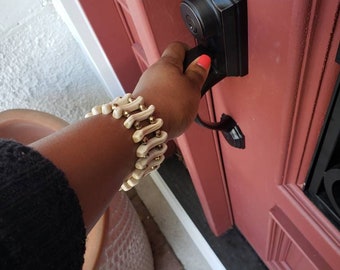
(280, 106)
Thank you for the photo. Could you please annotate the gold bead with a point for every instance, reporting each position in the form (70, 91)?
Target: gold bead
(145, 140)
(137, 125)
(158, 133)
(126, 114)
(142, 107)
(152, 119)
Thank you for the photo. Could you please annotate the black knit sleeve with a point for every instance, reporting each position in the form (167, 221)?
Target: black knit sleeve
(41, 224)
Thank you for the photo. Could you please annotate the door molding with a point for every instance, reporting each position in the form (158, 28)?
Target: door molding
(315, 84)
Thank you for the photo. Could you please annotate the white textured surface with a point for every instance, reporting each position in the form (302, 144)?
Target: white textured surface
(41, 65)
(73, 15)
(15, 12)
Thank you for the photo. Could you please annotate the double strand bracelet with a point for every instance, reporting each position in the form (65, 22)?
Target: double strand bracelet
(150, 137)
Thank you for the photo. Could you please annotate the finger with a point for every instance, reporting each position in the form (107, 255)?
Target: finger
(198, 70)
(175, 53)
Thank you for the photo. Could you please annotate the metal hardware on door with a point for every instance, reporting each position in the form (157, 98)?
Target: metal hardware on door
(230, 130)
(220, 28)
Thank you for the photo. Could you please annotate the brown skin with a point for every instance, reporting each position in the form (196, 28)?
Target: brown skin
(97, 153)
(175, 95)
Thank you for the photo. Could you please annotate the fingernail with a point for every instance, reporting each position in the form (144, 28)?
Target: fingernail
(204, 61)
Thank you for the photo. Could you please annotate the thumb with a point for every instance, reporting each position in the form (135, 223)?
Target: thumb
(198, 70)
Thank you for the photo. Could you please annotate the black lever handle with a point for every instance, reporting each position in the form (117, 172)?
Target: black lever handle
(221, 30)
(229, 128)
(227, 125)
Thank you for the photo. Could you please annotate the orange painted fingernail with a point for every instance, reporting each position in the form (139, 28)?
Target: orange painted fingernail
(204, 61)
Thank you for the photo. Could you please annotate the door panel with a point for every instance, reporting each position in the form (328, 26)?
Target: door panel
(289, 43)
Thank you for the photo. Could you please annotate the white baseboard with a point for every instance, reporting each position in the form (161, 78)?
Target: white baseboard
(74, 17)
(189, 227)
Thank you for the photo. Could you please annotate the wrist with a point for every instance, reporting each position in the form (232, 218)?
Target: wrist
(162, 111)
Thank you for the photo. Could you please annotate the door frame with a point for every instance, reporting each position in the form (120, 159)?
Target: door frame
(73, 14)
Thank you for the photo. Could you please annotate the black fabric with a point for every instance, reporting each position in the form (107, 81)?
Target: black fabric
(41, 224)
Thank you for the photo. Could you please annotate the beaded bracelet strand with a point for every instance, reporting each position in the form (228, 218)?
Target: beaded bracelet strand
(150, 137)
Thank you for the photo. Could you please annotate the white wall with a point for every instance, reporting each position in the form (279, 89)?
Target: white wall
(41, 65)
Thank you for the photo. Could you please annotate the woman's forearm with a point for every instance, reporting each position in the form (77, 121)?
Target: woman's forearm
(96, 154)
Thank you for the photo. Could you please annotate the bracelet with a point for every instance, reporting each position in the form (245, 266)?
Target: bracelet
(151, 139)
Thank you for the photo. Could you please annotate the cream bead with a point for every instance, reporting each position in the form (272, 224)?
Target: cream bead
(117, 112)
(143, 149)
(132, 181)
(96, 110)
(138, 117)
(125, 186)
(142, 163)
(139, 134)
(122, 100)
(132, 106)
(88, 115)
(106, 109)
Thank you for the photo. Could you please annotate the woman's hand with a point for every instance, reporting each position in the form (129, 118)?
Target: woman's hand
(175, 93)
